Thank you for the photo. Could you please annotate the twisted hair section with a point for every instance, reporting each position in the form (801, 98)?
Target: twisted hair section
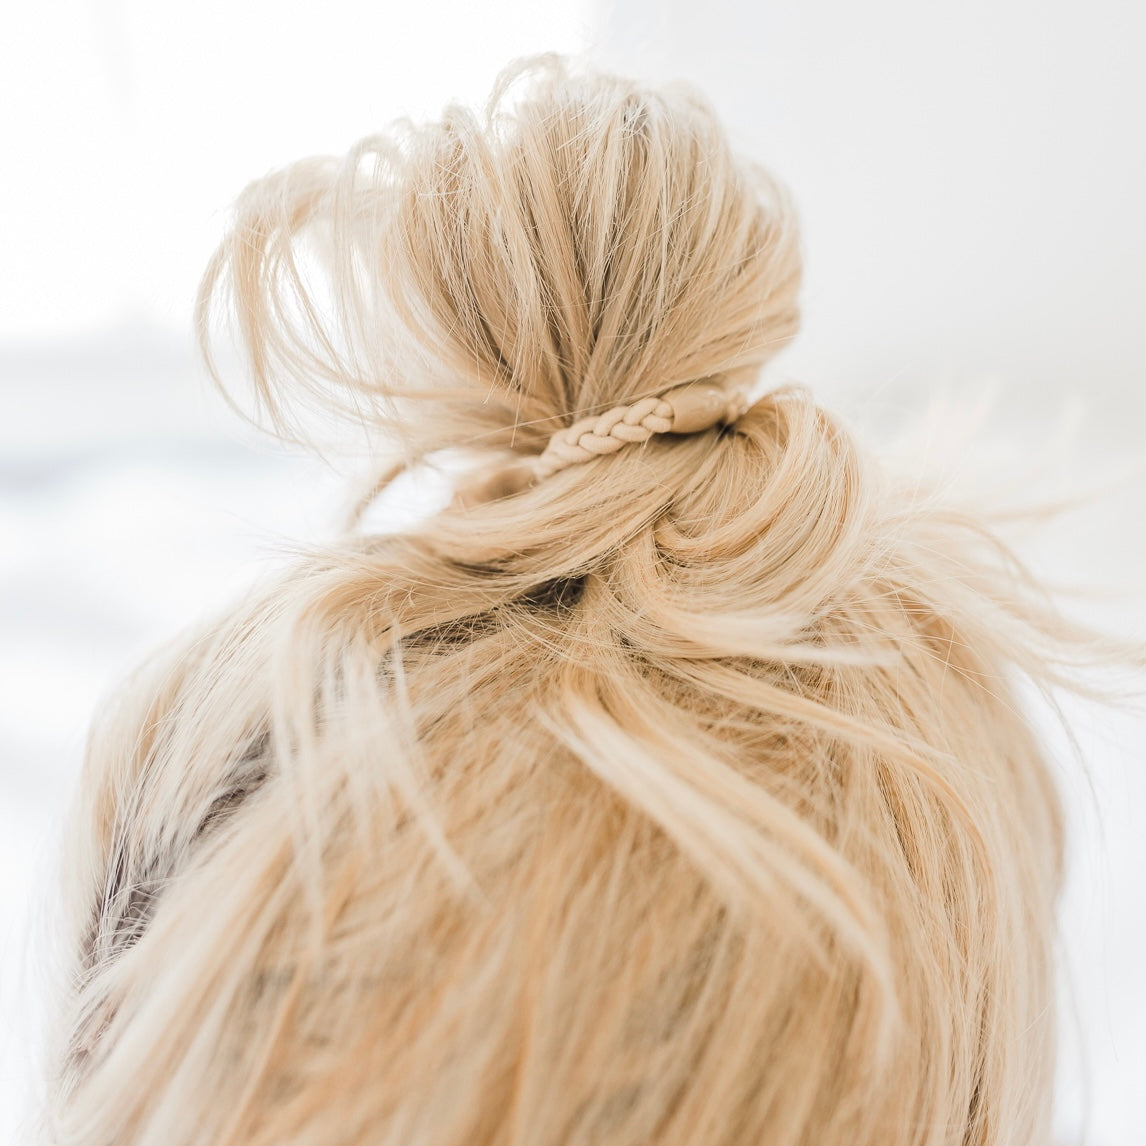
(684, 796)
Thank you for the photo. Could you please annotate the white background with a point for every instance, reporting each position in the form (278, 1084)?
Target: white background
(970, 179)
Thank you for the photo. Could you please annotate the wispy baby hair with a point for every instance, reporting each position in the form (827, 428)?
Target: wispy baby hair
(682, 796)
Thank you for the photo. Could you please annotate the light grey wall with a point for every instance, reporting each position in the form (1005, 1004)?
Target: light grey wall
(971, 176)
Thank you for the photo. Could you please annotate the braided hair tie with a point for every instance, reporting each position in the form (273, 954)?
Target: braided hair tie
(686, 409)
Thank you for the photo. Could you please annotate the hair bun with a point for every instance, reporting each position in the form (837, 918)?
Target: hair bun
(584, 243)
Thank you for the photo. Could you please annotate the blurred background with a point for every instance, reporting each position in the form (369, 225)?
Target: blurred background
(970, 179)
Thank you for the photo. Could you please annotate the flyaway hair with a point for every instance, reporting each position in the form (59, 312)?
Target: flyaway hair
(680, 796)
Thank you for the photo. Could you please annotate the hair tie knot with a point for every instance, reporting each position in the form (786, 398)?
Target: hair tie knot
(687, 409)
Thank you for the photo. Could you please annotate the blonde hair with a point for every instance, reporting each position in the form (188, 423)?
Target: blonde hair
(683, 796)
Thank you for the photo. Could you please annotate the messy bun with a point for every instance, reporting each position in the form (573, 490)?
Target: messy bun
(682, 796)
(585, 242)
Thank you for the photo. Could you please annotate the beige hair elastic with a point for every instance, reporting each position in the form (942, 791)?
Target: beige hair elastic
(686, 409)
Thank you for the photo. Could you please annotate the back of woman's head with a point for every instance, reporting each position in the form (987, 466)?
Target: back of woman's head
(680, 796)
